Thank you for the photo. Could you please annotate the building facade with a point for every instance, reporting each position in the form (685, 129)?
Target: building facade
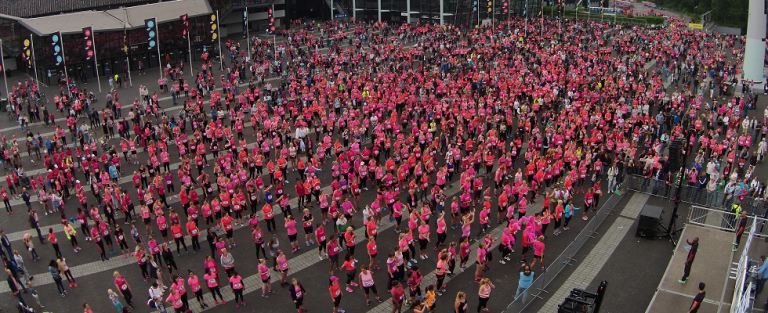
(465, 13)
(110, 42)
(114, 31)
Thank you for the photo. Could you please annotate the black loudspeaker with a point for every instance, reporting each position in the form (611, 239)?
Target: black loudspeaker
(582, 301)
(648, 223)
(675, 154)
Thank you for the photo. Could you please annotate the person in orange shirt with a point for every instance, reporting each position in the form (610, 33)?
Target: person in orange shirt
(226, 223)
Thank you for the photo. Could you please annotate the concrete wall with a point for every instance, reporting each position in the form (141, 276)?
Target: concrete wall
(728, 30)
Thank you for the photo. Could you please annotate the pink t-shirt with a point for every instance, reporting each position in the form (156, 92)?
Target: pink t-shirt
(211, 280)
(265, 270)
(538, 248)
(291, 227)
(481, 255)
(194, 283)
(175, 298)
(237, 283)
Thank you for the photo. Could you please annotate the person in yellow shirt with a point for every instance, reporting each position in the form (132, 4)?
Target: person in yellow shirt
(430, 298)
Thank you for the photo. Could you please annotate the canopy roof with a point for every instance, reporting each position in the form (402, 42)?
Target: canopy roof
(116, 19)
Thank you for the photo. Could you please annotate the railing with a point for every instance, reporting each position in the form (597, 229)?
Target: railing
(741, 296)
(745, 303)
(713, 218)
(567, 257)
(725, 220)
(695, 195)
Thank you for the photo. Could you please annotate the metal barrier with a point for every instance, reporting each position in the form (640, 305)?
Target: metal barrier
(741, 297)
(695, 195)
(745, 303)
(567, 257)
(712, 218)
(724, 220)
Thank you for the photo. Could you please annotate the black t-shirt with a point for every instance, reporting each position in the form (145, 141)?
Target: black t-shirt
(699, 298)
(692, 253)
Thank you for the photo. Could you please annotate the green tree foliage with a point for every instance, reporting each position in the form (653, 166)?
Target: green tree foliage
(732, 13)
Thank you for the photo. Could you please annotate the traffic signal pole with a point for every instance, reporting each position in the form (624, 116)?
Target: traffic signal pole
(95, 60)
(34, 61)
(218, 29)
(189, 48)
(64, 60)
(159, 60)
(2, 68)
(247, 33)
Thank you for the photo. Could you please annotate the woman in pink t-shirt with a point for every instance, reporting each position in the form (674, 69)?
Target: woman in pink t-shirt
(423, 239)
(480, 261)
(538, 251)
(213, 285)
(283, 267)
(290, 227)
(194, 284)
(264, 275)
(174, 299)
(236, 282)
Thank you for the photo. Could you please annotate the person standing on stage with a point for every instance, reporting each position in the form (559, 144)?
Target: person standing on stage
(689, 261)
(740, 230)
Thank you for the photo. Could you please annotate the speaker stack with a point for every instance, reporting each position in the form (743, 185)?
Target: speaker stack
(675, 154)
(649, 221)
(582, 301)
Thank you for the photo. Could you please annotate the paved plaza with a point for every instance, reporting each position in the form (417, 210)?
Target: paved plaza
(632, 266)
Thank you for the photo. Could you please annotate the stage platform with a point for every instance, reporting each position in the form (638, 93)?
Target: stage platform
(713, 266)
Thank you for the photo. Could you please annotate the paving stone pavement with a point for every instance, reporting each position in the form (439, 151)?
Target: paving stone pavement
(310, 258)
(116, 261)
(430, 278)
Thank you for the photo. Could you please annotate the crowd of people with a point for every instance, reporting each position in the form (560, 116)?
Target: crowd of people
(424, 126)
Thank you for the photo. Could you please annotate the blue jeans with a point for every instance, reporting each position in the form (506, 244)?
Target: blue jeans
(525, 293)
(710, 197)
(760, 285)
(718, 199)
(646, 182)
(655, 186)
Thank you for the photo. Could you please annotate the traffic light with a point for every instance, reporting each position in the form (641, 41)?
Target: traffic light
(57, 49)
(185, 27)
(490, 6)
(271, 17)
(88, 34)
(560, 7)
(245, 21)
(474, 5)
(505, 7)
(26, 52)
(214, 28)
(151, 25)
